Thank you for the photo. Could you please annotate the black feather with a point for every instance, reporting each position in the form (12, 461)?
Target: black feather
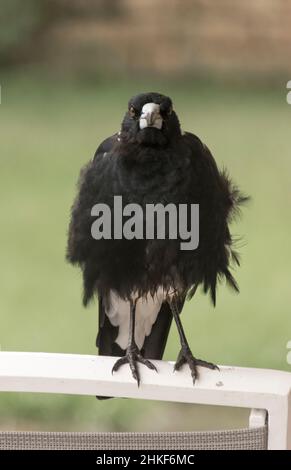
(153, 166)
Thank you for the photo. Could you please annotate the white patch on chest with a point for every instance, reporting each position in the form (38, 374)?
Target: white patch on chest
(147, 309)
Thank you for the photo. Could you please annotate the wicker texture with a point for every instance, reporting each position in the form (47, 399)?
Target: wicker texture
(255, 439)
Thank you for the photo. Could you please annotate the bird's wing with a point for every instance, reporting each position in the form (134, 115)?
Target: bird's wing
(106, 146)
(219, 202)
(95, 185)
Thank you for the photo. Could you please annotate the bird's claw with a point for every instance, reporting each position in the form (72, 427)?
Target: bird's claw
(132, 356)
(186, 356)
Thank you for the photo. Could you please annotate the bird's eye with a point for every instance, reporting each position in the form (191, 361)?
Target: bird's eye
(166, 110)
(132, 112)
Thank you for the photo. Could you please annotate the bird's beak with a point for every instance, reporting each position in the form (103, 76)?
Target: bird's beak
(150, 116)
(150, 119)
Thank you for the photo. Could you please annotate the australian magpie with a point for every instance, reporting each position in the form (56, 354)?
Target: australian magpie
(142, 282)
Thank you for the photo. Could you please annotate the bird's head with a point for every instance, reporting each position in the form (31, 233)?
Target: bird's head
(150, 120)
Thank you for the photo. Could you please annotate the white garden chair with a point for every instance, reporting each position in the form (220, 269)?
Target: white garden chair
(267, 393)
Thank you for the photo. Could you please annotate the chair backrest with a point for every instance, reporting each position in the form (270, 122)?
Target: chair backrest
(266, 392)
(242, 439)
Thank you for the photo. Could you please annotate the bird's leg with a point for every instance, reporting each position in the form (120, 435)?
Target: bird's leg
(185, 354)
(133, 354)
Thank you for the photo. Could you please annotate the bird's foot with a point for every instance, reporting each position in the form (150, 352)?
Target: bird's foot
(132, 357)
(186, 356)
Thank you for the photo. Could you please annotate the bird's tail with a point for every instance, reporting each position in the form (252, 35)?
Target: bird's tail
(105, 340)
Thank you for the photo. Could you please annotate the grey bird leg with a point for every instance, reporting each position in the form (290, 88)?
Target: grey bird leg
(185, 354)
(133, 354)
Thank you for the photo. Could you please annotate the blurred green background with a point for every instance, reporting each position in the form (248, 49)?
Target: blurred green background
(64, 88)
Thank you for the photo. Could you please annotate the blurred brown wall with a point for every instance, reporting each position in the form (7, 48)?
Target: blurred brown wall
(247, 38)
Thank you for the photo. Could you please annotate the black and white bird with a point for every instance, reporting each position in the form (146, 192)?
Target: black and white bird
(142, 283)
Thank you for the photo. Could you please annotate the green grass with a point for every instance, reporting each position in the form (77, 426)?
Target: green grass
(48, 131)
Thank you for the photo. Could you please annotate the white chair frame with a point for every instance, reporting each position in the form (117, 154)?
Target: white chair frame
(265, 392)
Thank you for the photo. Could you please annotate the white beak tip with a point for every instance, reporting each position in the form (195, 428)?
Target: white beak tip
(150, 116)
